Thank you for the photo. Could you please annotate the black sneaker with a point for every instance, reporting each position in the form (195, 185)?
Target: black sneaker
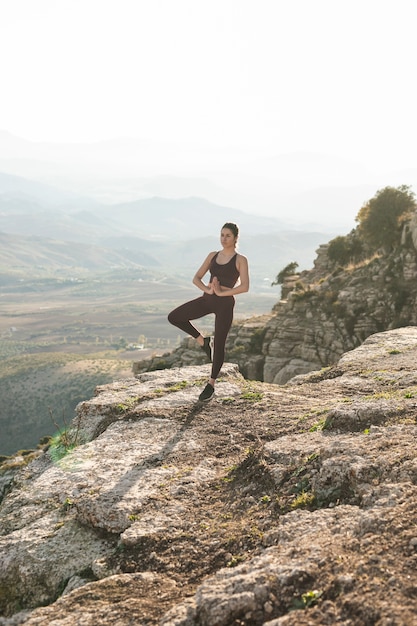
(207, 393)
(208, 347)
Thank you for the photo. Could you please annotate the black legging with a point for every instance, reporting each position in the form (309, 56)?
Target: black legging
(222, 307)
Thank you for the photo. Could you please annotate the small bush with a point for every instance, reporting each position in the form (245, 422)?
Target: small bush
(345, 250)
(288, 270)
(381, 219)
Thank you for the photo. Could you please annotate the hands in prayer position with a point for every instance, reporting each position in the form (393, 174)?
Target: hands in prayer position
(215, 287)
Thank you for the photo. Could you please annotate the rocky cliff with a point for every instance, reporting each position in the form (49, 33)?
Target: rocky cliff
(332, 309)
(275, 505)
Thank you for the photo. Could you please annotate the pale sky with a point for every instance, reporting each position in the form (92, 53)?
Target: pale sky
(274, 76)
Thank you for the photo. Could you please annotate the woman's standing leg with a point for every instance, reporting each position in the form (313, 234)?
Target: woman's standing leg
(224, 317)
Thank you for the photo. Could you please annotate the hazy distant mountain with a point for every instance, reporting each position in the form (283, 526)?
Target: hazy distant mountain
(17, 188)
(304, 190)
(171, 233)
(267, 253)
(35, 255)
(11, 204)
(31, 208)
(185, 218)
(78, 227)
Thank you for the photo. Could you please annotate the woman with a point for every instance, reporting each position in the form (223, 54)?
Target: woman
(225, 267)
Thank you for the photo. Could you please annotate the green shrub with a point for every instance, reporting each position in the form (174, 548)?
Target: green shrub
(381, 218)
(345, 249)
(288, 270)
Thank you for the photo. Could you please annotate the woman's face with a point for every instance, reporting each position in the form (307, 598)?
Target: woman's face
(227, 238)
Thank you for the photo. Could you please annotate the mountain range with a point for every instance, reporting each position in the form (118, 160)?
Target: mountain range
(307, 191)
(45, 227)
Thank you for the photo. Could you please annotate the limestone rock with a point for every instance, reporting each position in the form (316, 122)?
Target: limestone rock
(269, 505)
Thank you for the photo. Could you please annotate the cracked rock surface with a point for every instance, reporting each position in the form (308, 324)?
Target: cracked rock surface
(274, 505)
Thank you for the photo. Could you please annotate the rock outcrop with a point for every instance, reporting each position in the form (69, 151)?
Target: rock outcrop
(274, 505)
(332, 310)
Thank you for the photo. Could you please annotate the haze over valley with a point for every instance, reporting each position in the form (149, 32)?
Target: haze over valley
(57, 242)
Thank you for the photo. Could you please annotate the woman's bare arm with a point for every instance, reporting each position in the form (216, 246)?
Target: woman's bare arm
(201, 272)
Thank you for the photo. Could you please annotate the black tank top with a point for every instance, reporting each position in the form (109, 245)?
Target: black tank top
(227, 274)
